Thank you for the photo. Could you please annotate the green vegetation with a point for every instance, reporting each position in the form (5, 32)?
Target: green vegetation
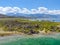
(28, 26)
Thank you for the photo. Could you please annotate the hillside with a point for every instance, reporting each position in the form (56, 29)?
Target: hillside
(32, 16)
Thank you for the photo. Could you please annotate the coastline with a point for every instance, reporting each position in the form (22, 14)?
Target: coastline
(12, 33)
(15, 37)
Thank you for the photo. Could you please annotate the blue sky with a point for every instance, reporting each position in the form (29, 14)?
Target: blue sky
(30, 6)
(50, 4)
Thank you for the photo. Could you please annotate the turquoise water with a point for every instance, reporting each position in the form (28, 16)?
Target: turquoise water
(44, 40)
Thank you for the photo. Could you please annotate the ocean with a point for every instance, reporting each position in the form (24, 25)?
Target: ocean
(31, 40)
(48, 19)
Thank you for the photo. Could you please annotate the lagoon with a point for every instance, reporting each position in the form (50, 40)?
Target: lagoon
(31, 40)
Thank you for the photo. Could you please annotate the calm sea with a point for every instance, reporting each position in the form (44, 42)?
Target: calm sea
(40, 40)
(49, 19)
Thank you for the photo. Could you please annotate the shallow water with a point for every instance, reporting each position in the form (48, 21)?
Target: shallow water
(28, 40)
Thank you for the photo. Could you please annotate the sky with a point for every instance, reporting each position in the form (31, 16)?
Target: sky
(30, 6)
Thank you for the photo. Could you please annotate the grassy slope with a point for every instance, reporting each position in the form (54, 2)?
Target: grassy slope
(24, 22)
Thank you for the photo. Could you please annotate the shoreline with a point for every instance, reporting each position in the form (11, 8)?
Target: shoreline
(15, 37)
(12, 33)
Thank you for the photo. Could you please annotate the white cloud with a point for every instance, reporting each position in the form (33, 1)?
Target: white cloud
(25, 11)
(39, 10)
(34, 11)
(16, 10)
(42, 10)
(54, 12)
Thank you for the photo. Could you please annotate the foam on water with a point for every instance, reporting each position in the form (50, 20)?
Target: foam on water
(7, 39)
